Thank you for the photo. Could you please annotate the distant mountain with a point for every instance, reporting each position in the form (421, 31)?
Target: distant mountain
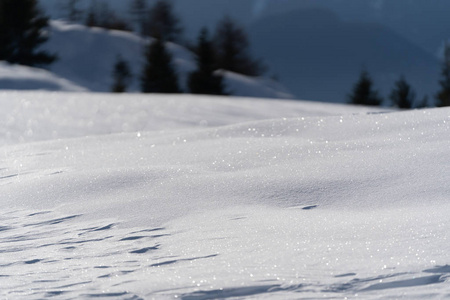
(424, 23)
(319, 57)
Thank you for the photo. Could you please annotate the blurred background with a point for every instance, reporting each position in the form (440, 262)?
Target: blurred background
(305, 49)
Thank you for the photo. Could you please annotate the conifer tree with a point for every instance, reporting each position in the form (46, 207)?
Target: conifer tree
(91, 17)
(139, 11)
(203, 80)
(424, 102)
(443, 96)
(72, 11)
(403, 95)
(121, 76)
(363, 92)
(162, 22)
(233, 49)
(158, 75)
(22, 32)
(101, 15)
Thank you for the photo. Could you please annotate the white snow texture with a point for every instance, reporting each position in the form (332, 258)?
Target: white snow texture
(163, 197)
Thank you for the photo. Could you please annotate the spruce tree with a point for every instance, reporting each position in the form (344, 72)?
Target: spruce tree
(22, 32)
(101, 15)
(425, 102)
(72, 11)
(91, 17)
(203, 80)
(233, 49)
(363, 92)
(403, 96)
(162, 22)
(121, 76)
(158, 75)
(443, 96)
(138, 12)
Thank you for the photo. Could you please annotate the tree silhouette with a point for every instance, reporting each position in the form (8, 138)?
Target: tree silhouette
(22, 32)
(233, 49)
(403, 95)
(443, 96)
(158, 75)
(138, 12)
(162, 22)
(101, 15)
(424, 102)
(203, 80)
(363, 92)
(121, 76)
(72, 11)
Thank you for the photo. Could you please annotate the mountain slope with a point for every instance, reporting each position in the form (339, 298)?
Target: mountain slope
(424, 23)
(319, 57)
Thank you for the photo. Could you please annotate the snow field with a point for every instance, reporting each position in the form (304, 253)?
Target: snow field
(205, 198)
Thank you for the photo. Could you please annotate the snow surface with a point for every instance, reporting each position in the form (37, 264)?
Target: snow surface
(163, 197)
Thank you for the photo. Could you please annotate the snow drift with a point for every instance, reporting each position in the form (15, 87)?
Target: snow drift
(206, 198)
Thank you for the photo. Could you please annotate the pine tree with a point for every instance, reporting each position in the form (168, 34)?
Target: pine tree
(163, 23)
(121, 76)
(443, 96)
(91, 17)
(425, 102)
(22, 32)
(403, 95)
(233, 49)
(72, 10)
(363, 92)
(101, 15)
(138, 12)
(203, 80)
(158, 75)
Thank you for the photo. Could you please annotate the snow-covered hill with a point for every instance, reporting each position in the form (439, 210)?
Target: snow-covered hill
(15, 77)
(163, 197)
(87, 56)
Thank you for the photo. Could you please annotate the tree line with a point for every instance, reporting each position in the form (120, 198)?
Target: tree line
(402, 94)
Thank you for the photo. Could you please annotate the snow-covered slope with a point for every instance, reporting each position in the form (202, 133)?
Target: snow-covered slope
(205, 198)
(87, 57)
(39, 116)
(15, 77)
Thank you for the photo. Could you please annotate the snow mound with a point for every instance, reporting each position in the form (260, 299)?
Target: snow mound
(15, 77)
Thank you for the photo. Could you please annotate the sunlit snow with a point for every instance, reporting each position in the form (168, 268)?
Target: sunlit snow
(166, 197)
